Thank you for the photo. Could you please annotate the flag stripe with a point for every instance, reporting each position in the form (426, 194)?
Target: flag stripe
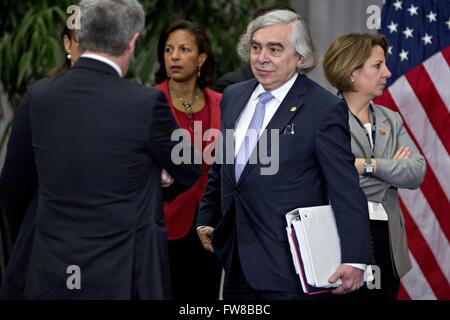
(412, 111)
(402, 293)
(439, 71)
(431, 102)
(423, 255)
(437, 201)
(446, 54)
(416, 205)
(419, 90)
(415, 284)
(430, 186)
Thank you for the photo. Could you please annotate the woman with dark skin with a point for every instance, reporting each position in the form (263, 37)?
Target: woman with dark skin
(186, 69)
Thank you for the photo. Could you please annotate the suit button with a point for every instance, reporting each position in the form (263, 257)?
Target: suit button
(237, 191)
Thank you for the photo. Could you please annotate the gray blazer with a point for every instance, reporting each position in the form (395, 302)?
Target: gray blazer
(390, 174)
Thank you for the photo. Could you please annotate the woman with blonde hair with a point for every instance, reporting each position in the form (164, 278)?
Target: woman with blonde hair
(385, 155)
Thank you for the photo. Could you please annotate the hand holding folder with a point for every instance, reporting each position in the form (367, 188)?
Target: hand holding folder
(315, 247)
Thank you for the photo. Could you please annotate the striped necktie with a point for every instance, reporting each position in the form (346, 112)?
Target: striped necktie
(252, 134)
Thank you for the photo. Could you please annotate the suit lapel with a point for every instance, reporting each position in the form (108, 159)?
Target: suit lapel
(291, 104)
(359, 134)
(382, 133)
(288, 108)
(236, 107)
(230, 116)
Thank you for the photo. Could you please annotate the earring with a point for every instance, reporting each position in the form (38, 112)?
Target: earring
(68, 55)
(198, 72)
(352, 80)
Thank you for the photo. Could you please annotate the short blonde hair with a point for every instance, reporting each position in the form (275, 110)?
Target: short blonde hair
(347, 53)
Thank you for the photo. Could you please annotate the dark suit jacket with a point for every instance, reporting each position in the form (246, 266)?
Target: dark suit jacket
(98, 143)
(242, 74)
(315, 162)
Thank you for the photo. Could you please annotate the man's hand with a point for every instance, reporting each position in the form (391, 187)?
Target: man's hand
(205, 235)
(352, 279)
(166, 179)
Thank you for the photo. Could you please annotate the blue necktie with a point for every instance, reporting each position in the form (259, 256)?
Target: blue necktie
(252, 134)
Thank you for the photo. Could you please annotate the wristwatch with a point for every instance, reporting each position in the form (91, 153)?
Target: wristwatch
(368, 167)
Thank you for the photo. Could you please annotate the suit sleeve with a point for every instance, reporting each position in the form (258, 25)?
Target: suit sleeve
(210, 205)
(18, 181)
(405, 173)
(349, 203)
(372, 186)
(161, 146)
(210, 212)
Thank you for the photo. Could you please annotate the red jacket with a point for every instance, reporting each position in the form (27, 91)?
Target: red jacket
(179, 213)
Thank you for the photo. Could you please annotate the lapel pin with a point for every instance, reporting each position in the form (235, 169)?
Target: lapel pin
(381, 132)
(293, 108)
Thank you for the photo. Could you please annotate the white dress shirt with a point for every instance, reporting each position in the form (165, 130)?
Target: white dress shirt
(271, 107)
(104, 60)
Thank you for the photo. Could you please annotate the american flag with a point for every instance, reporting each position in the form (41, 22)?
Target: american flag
(419, 89)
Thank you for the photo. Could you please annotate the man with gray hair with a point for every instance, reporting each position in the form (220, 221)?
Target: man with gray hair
(242, 215)
(96, 144)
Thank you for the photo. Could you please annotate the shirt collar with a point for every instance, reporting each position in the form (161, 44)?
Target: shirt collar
(104, 60)
(279, 93)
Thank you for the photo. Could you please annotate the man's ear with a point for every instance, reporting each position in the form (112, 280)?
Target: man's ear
(301, 61)
(132, 42)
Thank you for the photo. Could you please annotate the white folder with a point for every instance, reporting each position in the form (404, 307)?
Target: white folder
(319, 252)
(316, 247)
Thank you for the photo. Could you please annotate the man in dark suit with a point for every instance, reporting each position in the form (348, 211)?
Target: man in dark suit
(242, 215)
(98, 144)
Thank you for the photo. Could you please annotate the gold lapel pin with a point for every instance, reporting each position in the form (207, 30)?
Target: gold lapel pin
(381, 132)
(293, 108)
